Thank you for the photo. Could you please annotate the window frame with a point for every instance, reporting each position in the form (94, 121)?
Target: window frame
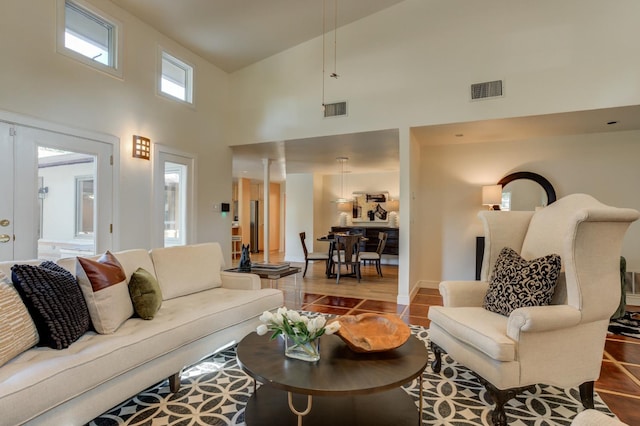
(189, 69)
(115, 69)
(79, 208)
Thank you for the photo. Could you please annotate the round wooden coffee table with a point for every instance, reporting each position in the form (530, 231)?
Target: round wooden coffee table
(343, 388)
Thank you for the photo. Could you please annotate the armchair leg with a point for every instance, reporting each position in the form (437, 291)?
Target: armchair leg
(586, 394)
(436, 364)
(500, 397)
(174, 382)
(306, 263)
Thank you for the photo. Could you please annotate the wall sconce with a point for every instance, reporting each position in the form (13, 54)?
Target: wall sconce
(492, 196)
(141, 147)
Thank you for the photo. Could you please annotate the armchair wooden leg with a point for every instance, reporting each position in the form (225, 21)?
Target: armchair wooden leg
(500, 397)
(436, 364)
(586, 394)
(174, 382)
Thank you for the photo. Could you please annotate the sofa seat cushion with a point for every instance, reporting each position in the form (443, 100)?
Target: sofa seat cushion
(475, 326)
(57, 376)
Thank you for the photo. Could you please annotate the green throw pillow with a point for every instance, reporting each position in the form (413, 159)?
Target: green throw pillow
(145, 294)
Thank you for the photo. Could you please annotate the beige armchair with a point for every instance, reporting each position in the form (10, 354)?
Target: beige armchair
(560, 344)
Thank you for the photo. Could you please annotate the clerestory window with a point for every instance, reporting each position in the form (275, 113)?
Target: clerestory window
(176, 78)
(88, 36)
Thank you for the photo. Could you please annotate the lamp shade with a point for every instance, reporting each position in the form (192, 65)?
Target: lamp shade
(393, 205)
(344, 206)
(492, 195)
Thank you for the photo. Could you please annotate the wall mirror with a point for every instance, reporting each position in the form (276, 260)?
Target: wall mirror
(525, 191)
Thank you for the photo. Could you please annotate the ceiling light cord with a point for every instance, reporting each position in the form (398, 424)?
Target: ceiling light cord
(335, 41)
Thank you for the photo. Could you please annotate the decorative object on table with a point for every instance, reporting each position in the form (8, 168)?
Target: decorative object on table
(245, 260)
(301, 333)
(371, 332)
(270, 267)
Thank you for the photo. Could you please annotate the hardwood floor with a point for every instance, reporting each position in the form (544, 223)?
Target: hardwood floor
(619, 383)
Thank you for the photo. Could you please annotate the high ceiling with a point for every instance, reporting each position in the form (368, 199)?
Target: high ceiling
(232, 34)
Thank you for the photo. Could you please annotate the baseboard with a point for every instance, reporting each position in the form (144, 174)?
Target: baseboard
(428, 284)
(633, 299)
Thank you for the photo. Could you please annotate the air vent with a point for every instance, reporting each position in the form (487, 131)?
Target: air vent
(490, 89)
(335, 110)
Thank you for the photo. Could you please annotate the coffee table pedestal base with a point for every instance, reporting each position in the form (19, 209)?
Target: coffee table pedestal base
(269, 406)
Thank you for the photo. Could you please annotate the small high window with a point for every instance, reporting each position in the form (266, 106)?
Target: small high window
(176, 79)
(88, 36)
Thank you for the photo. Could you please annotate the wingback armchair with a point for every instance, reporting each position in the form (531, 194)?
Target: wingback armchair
(558, 344)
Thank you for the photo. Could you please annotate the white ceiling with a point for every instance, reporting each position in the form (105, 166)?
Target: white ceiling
(232, 34)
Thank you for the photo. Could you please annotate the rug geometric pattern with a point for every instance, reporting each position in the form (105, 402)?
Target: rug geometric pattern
(215, 391)
(627, 325)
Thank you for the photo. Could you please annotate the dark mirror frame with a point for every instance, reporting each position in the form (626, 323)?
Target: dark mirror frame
(541, 180)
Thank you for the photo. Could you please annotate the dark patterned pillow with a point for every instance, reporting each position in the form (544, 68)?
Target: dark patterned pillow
(517, 282)
(55, 302)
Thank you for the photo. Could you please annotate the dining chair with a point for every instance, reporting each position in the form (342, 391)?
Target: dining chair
(375, 256)
(347, 254)
(311, 255)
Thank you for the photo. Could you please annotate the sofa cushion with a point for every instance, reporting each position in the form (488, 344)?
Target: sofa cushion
(483, 330)
(184, 270)
(17, 330)
(517, 283)
(145, 293)
(54, 301)
(103, 283)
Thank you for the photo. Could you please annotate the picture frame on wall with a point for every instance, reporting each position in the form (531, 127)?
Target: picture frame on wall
(370, 206)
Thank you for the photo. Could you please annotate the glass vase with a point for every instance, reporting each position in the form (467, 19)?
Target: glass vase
(306, 351)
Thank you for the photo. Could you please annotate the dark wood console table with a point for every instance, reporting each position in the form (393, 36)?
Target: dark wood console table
(371, 233)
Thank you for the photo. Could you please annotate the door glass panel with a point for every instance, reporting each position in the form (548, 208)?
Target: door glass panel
(174, 204)
(67, 200)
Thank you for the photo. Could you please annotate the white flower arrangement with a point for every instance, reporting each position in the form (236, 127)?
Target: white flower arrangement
(299, 328)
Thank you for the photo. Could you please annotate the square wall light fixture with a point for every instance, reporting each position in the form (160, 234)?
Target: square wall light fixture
(141, 147)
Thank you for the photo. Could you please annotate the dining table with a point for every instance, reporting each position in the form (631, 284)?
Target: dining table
(330, 238)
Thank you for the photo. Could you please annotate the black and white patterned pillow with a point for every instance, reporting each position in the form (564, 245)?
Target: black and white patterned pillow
(55, 302)
(517, 282)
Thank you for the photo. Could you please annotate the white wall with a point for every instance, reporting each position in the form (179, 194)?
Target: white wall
(604, 165)
(412, 64)
(36, 81)
(300, 215)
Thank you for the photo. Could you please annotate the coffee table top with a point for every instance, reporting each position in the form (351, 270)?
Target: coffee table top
(340, 371)
(271, 275)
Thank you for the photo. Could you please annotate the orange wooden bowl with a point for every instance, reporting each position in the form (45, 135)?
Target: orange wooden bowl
(371, 332)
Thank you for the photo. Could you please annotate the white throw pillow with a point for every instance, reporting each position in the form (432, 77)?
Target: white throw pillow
(18, 333)
(104, 285)
(183, 270)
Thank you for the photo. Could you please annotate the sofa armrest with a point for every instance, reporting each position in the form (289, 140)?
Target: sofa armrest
(463, 293)
(240, 281)
(541, 318)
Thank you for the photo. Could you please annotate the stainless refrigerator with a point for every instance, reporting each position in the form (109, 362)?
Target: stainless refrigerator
(253, 225)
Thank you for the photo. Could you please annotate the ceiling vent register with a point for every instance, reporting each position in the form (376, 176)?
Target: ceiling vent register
(489, 89)
(335, 110)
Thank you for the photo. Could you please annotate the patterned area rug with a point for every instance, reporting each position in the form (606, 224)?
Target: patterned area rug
(215, 391)
(627, 325)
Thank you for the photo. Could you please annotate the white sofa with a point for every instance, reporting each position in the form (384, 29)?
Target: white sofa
(74, 385)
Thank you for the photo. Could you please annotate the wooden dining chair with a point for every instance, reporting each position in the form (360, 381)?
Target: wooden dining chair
(312, 255)
(376, 256)
(347, 254)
